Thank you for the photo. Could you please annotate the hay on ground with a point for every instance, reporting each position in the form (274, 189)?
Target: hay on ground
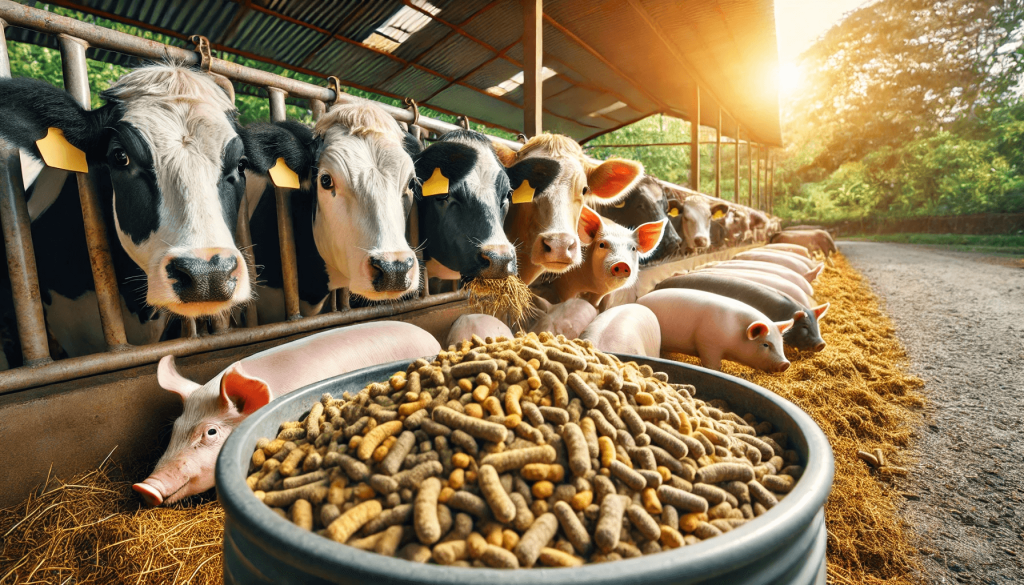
(500, 297)
(859, 393)
(93, 529)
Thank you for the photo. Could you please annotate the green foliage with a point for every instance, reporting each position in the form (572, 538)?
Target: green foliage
(911, 108)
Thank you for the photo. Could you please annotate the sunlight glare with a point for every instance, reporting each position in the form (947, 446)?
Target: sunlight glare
(790, 78)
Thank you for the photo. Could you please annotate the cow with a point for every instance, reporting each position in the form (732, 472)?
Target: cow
(737, 225)
(542, 220)
(645, 203)
(461, 223)
(167, 162)
(758, 225)
(356, 181)
(813, 240)
(691, 216)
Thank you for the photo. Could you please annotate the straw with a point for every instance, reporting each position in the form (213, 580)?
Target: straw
(500, 296)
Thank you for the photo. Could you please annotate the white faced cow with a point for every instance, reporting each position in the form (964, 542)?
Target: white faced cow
(543, 225)
(167, 162)
(690, 214)
(356, 180)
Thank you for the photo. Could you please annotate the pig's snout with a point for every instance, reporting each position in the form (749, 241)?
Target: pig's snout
(781, 367)
(819, 347)
(150, 495)
(620, 270)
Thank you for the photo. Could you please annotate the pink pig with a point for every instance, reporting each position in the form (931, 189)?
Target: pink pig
(713, 328)
(214, 409)
(483, 326)
(631, 328)
(794, 262)
(569, 318)
(800, 280)
(777, 282)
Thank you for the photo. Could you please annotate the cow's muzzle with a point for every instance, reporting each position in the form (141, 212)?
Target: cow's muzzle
(199, 280)
(391, 275)
(497, 263)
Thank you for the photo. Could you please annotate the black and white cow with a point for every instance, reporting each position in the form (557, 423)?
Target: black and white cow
(646, 202)
(349, 212)
(461, 229)
(167, 161)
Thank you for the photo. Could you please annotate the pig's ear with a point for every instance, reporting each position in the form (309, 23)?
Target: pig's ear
(612, 179)
(820, 310)
(648, 236)
(784, 325)
(814, 272)
(757, 330)
(589, 225)
(169, 378)
(542, 304)
(799, 315)
(243, 392)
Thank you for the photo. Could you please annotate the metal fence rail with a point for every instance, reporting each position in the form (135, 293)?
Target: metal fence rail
(74, 37)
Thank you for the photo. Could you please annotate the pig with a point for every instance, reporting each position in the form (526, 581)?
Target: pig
(792, 261)
(483, 326)
(712, 328)
(803, 335)
(612, 259)
(569, 318)
(214, 409)
(793, 248)
(797, 279)
(816, 240)
(631, 329)
(645, 203)
(768, 279)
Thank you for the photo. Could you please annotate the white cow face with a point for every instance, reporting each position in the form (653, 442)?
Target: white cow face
(363, 199)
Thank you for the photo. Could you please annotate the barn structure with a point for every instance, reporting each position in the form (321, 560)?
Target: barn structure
(524, 66)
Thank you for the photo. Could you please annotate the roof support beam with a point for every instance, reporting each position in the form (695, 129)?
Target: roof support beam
(736, 167)
(533, 57)
(718, 155)
(695, 141)
(750, 174)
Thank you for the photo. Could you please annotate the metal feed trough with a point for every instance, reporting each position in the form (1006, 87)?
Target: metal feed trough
(65, 416)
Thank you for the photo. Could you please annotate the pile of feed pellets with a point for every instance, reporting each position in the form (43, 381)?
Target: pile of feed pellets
(510, 453)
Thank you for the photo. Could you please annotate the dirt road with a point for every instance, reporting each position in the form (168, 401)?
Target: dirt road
(961, 318)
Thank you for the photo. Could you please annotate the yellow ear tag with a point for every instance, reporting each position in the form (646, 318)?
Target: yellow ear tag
(282, 176)
(437, 184)
(524, 193)
(673, 212)
(60, 154)
(718, 214)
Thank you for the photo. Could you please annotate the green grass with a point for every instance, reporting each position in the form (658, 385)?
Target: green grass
(1003, 245)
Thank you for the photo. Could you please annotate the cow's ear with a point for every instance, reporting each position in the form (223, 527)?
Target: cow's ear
(648, 236)
(719, 209)
(241, 392)
(505, 155)
(290, 141)
(613, 178)
(757, 330)
(442, 165)
(675, 207)
(539, 172)
(411, 145)
(169, 379)
(589, 225)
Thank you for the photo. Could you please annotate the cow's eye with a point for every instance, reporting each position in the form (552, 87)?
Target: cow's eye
(509, 195)
(326, 181)
(242, 165)
(766, 345)
(119, 157)
(601, 245)
(586, 190)
(211, 432)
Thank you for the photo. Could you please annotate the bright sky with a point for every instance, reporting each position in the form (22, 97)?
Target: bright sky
(798, 24)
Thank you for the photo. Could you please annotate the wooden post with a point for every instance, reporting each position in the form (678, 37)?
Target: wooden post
(718, 155)
(750, 174)
(771, 187)
(695, 141)
(736, 167)
(764, 183)
(757, 173)
(533, 61)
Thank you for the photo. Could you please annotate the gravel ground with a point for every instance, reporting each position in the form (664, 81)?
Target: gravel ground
(961, 318)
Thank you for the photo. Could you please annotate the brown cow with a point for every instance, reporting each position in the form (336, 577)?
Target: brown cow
(542, 223)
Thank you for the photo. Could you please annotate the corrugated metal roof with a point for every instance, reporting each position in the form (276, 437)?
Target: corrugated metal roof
(647, 54)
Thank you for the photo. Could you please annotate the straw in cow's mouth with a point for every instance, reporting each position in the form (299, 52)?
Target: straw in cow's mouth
(498, 296)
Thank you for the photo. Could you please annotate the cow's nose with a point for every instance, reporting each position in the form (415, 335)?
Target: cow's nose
(497, 263)
(621, 270)
(820, 346)
(700, 242)
(196, 280)
(559, 249)
(391, 275)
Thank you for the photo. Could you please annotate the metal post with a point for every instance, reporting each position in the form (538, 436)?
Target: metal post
(318, 108)
(285, 224)
(5, 62)
(533, 60)
(21, 257)
(108, 298)
(243, 239)
(736, 167)
(695, 141)
(718, 155)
